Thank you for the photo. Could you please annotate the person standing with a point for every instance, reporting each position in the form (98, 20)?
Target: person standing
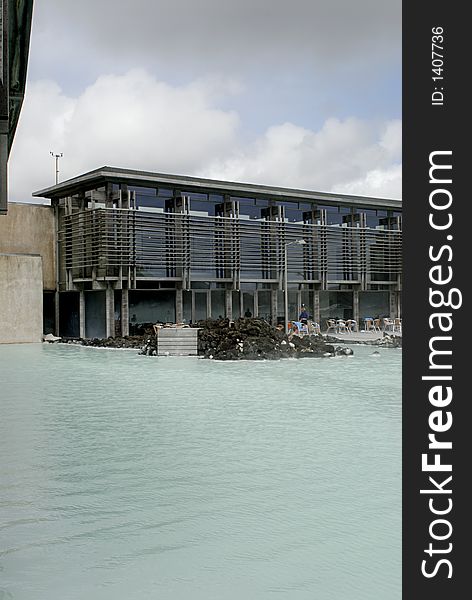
(304, 316)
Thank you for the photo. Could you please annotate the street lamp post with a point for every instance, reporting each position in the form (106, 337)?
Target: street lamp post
(299, 243)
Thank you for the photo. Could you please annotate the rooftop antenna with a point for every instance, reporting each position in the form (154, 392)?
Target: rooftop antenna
(57, 157)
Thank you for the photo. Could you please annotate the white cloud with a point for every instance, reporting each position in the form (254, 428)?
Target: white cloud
(351, 156)
(130, 120)
(136, 121)
(385, 183)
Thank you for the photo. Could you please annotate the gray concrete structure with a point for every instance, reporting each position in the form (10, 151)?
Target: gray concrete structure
(30, 229)
(27, 230)
(21, 298)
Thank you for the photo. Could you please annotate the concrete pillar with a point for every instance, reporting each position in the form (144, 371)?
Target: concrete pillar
(316, 307)
(179, 306)
(273, 306)
(355, 307)
(124, 312)
(82, 314)
(229, 304)
(110, 311)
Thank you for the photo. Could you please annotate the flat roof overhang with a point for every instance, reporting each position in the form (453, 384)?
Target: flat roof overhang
(103, 175)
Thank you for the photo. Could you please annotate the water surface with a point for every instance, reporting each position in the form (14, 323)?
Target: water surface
(129, 477)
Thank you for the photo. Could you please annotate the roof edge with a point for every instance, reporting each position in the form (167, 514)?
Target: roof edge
(109, 173)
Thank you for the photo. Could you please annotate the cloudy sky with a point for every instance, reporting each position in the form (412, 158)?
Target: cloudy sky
(305, 93)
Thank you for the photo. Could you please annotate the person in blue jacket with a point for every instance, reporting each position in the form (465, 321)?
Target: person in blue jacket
(304, 316)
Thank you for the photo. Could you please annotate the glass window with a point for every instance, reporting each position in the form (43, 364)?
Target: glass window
(371, 218)
(146, 197)
(165, 192)
(146, 200)
(236, 305)
(200, 305)
(152, 307)
(293, 214)
(200, 285)
(218, 304)
(333, 217)
(143, 190)
(248, 303)
(374, 304)
(242, 200)
(187, 306)
(335, 305)
(264, 305)
(251, 211)
(247, 286)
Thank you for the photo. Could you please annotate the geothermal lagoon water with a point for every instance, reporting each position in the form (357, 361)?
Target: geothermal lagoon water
(130, 477)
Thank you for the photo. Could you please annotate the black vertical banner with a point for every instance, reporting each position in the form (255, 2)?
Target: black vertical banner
(436, 309)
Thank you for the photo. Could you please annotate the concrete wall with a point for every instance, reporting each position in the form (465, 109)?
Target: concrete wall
(29, 229)
(21, 298)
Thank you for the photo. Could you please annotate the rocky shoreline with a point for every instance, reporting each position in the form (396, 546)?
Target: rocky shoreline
(134, 342)
(243, 339)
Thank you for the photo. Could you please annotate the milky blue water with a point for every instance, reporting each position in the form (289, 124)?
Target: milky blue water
(130, 477)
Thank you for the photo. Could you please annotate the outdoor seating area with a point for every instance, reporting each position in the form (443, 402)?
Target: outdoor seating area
(300, 328)
(393, 325)
(368, 325)
(341, 325)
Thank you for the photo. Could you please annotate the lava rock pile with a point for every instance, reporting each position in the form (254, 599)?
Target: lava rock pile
(132, 341)
(255, 339)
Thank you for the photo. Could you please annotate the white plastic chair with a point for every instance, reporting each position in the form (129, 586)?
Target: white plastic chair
(331, 324)
(351, 325)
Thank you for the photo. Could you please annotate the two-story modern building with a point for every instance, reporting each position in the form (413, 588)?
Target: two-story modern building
(136, 247)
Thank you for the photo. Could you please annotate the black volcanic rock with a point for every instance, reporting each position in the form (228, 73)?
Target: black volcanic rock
(255, 339)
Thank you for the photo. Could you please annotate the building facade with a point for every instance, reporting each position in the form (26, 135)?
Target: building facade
(138, 247)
